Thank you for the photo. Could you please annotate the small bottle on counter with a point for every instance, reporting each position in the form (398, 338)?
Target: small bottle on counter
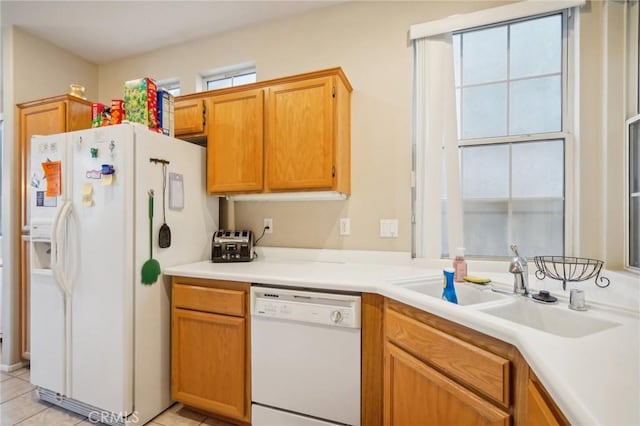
(448, 289)
(459, 266)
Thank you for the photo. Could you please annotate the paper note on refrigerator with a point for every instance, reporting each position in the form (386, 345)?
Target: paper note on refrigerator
(53, 175)
(176, 191)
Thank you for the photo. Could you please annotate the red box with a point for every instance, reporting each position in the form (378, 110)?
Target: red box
(96, 114)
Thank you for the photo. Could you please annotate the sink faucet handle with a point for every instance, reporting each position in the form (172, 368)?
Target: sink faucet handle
(514, 249)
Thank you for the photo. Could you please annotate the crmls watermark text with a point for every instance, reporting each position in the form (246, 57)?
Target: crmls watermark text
(108, 417)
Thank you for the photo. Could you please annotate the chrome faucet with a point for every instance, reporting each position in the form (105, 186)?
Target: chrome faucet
(518, 267)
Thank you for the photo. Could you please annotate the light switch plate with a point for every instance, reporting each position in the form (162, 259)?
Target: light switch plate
(389, 228)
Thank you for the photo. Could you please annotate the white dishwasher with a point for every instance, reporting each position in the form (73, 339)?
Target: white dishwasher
(305, 355)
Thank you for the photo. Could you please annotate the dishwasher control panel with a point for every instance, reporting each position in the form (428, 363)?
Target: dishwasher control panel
(341, 310)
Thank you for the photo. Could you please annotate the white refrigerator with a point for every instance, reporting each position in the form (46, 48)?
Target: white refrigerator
(100, 338)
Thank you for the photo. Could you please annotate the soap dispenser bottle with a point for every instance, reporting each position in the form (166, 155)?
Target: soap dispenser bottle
(459, 266)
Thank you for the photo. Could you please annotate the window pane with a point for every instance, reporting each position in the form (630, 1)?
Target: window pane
(536, 47)
(485, 171)
(484, 111)
(634, 157)
(538, 227)
(634, 232)
(485, 228)
(458, 111)
(239, 80)
(484, 55)
(538, 169)
(535, 106)
(221, 83)
(456, 59)
(175, 91)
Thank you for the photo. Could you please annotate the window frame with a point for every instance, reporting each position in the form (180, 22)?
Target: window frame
(627, 191)
(569, 25)
(227, 72)
(633, 113)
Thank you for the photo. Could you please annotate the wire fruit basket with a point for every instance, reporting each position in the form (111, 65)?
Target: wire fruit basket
(570, 269)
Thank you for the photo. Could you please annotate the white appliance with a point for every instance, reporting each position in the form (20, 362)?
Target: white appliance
(100, 339)
(305, 355)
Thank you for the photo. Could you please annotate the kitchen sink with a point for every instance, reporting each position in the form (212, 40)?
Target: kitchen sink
(550, 319)
(468, 294)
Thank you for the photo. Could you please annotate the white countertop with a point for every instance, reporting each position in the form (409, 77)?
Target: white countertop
(594, 379)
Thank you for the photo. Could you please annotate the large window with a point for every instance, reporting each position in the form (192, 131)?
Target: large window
(509, 97)
(492, 132)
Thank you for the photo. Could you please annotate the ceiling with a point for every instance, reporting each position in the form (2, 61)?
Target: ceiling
(105, 31)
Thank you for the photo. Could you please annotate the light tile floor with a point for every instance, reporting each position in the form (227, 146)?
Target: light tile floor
(19, 405)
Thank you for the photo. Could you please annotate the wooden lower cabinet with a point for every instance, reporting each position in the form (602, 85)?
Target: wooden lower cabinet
(417, 394)
(437, 372)
(210, 365)
(541, 410)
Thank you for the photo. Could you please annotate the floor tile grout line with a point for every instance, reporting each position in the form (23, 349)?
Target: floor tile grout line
(17, 396)
(33, 415)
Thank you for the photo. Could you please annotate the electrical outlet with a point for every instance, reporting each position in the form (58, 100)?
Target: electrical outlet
(345, 226)
(268, 222)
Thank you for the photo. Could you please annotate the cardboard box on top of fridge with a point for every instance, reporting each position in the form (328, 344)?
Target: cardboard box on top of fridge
(165, 112)
(96, 114)
(117, 111)
(141, 102)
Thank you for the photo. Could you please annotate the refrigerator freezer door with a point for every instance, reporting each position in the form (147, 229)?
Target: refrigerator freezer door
(47, 332)
(100, 267)
(42, 208)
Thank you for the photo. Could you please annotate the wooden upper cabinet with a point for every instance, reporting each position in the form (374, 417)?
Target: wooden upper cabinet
(235, 148)
(189, 117)
(283, 135)
(40, 117)
(300, 148)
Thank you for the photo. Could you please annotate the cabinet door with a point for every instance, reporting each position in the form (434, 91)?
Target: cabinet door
(539, 411)
(188, 117)
(235, 142)
(208, 362)
(300, 135)
(44, 119)
(416, 394)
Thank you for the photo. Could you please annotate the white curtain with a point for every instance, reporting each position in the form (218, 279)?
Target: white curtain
(435, 139)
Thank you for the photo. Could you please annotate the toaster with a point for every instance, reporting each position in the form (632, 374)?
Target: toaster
(232, 246)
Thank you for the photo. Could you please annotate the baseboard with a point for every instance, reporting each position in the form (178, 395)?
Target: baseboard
(8, 368)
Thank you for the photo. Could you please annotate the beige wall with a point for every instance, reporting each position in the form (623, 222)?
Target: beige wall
(32, 69)
(42, 69)
(369, 41)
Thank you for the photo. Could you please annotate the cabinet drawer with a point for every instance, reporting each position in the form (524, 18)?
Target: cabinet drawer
(205, 299)
(483, 370)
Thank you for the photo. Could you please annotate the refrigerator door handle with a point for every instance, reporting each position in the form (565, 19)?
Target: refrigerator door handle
(54, 247)
(60, 247)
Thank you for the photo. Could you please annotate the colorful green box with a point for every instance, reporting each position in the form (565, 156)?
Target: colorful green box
(141, 102)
